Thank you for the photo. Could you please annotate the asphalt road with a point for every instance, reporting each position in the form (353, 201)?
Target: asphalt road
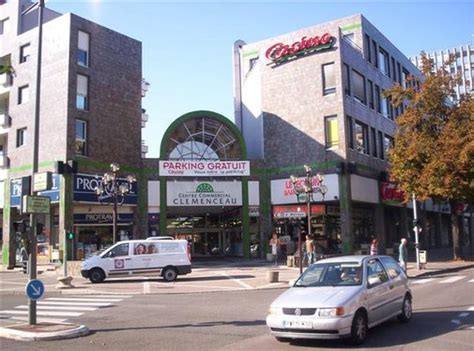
(235, 320)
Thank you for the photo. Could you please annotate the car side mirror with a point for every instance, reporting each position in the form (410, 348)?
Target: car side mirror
(292, 282)
(374, 280)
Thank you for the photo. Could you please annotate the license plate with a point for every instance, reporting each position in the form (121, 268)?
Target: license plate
(298, 324)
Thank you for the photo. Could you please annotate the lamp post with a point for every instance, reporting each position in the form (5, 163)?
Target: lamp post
(308, 186)
(112, 190)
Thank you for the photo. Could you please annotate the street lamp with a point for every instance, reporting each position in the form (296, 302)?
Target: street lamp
(112, 190)
(308, 186)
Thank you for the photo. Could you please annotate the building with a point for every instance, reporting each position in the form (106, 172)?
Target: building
(90, 111)
(462, 66)
(315, 97)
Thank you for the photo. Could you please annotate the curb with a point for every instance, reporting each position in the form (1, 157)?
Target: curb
(430, 273)
(15, 334)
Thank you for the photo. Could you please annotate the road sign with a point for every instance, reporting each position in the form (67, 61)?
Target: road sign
(36, 204)
(34, 289)
(42, 181)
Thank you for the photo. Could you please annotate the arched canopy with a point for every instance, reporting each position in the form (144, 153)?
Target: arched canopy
(203, 136)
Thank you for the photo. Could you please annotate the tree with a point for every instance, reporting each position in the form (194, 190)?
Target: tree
(433, 154)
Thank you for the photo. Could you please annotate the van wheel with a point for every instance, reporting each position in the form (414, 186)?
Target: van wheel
(359, 328)
(96, 275)
(169, 274)
(407, 311)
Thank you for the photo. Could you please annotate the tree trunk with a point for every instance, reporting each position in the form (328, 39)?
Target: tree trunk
(455, 230)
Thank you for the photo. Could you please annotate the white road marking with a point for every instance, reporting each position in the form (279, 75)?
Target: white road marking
(456, 321)
(146, 287)
(44, 313)
(452, 279)
(60, 308)
(106, 296)
(471, 308)
(57, 303)
(245, 285)
(464, 314)
(471, 281)
(423, 281)
(81, 299)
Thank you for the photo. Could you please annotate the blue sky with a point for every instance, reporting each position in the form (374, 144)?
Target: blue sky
(187, 45)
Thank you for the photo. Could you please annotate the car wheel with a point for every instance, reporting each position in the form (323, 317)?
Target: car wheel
(407, 310)
(281, 339)
(359, 328)
(96, 275)
(169, 274)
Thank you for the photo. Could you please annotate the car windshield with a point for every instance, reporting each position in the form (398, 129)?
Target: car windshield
(331, 274)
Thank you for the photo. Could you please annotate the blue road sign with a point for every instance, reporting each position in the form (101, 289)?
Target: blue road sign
(34, 289)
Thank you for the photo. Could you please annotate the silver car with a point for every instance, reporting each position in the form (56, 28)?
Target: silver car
(341, 297)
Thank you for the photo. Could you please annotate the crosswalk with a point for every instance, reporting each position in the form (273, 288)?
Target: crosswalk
(444, 280)
(60, 309)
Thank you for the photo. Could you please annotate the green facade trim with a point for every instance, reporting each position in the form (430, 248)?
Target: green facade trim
(29, 167)
(250, 54)
(351, 27)
(292, 169)
(84, 162)
(163, 207)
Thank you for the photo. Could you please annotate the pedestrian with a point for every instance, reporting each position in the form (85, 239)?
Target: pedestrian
(403, 254)
(374, 248)
(275, 244)
(309, 253)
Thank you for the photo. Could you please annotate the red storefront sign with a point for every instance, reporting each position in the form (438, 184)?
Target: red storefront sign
(280, 52)
(392, 194)
(297, 211)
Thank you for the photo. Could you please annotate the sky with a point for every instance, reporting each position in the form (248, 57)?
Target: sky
(187, 45)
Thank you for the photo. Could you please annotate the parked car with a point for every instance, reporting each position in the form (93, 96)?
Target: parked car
(341, 297)
(144, 257)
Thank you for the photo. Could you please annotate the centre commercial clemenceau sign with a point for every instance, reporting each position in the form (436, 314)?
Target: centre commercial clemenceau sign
(281, 53)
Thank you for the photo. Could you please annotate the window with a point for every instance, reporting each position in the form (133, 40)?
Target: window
(347, 80)
(405, 76)
(383, 62)
(359, 87)
(373, 141)
(378, 105)
(329, 79)
(24, 53)
(374, 51)
(332, 132)
(371, 93)
(376, 270)
(23, 94)
(20, 137)
(362, 137)
(252, 63)
(82, 102)
(119, 250)
(81, 137)
(394, 70)
(385, 106)
(350, 132)
(387, 144)
(349, 38)
(368, 54)
(399, 73)
(392, 266)
(381, 146)
(5, 26)
(83, 49)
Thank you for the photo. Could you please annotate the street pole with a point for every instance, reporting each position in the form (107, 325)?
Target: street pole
(114, 219)
(36, 124)
(65, 253)
(415, 228)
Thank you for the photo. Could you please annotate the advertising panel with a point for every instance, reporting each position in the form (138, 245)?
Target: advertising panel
(204, 193)
(296, 211)
(84, 190)
(205, 168)
(391, 194)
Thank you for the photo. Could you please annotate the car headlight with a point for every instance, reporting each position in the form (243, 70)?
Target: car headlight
(274, 311)
(331, 312)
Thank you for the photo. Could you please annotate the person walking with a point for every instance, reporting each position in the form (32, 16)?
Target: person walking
(403, 254)
(275, 245)
(374, 248)
(309, 253)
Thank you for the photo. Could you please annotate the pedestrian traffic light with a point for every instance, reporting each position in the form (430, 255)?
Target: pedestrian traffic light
(70, 235)
(24, 265)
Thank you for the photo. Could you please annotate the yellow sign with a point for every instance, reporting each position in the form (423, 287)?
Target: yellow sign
(36, 204)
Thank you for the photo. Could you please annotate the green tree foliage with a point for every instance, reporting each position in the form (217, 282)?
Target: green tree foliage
(433, 155)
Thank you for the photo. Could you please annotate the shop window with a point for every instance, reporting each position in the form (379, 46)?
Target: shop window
(23, 94)
(370, 87)
(20, 137)
(350, 132)
(347, 80)
(81, 137)
(362, 137)
(329, 79)
(332, 132)
(83, 49)
(24, 53)
(82, 99)
(359, 87)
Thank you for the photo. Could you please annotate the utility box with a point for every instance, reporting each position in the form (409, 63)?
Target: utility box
(423, 258)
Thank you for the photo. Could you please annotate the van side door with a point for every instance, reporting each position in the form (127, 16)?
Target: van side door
(145, 255)
(117, 260)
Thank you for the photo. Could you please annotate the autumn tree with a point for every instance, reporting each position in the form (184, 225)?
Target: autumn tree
(433, 153)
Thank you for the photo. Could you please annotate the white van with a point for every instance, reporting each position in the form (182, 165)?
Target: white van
(168, 258)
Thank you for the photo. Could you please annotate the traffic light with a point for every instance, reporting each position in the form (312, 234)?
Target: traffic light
(70, 235)
(24, 266)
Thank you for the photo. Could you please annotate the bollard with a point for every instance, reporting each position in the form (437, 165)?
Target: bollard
(272, 276)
